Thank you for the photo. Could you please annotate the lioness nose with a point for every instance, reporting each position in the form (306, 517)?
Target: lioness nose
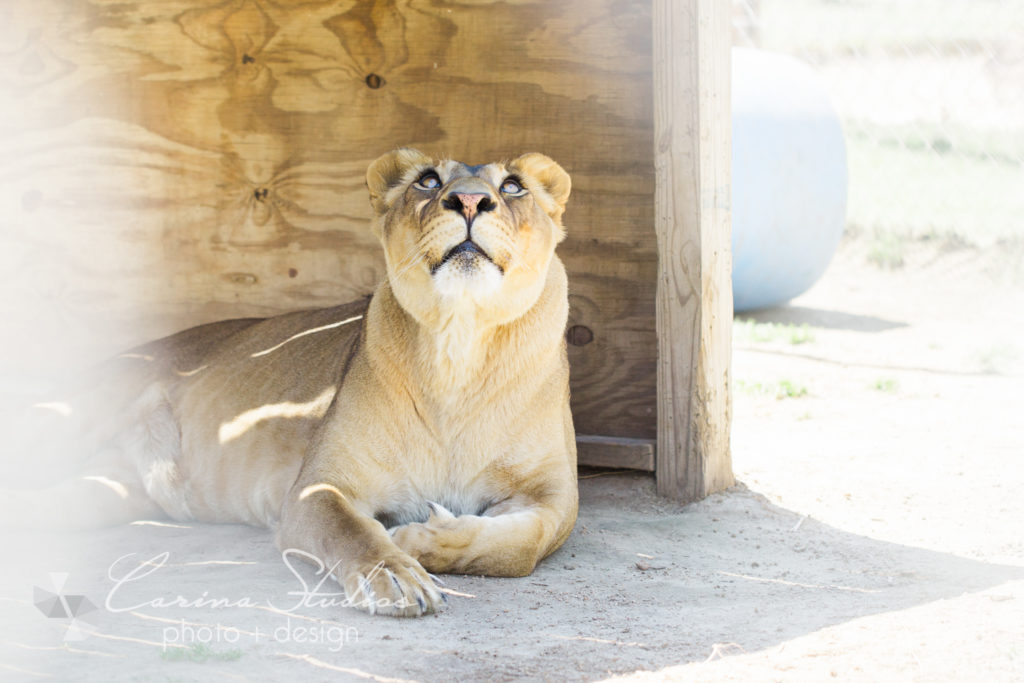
(469, 205)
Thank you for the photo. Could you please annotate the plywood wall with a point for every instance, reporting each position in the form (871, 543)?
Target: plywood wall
(165, 163)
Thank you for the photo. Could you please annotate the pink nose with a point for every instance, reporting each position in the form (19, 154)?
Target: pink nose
(470, 204)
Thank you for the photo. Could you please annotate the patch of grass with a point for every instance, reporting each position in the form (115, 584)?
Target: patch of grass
(789, 389)
(887, 251)
(749, 330)
(783, 389)
(905, 188)
(886, 385)
(200, 652)
(752, 388)
(996, 360)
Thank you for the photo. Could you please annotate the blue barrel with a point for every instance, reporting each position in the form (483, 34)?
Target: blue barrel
(789, 178)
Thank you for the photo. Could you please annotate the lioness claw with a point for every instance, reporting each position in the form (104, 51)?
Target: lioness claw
(439, 511)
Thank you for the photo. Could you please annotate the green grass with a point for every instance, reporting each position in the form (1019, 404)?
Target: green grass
(887, 250)
(996, 360)
(912, 192)
(200, 652)
(750, 331)
(886, 385)
(778, 390)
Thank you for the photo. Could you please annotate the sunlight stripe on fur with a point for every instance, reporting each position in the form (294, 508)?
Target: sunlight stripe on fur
(313, 330)
(58, 407)
(241, 423)
(316, 488)
(115, 486)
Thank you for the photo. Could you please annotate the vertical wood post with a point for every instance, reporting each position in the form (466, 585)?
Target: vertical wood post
(692, 219)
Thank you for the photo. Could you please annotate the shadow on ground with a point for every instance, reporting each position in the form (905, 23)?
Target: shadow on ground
(641, 584)
(820, 317)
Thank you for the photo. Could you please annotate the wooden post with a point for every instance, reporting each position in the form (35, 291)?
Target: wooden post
(694, 295)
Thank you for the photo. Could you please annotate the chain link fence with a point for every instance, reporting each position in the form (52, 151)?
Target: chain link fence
(931, 97)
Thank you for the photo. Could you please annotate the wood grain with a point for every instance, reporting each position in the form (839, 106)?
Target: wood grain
(165, 163)
(694, 296)
(610, 451)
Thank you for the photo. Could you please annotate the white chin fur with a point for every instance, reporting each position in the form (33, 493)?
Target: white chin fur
(454, 280)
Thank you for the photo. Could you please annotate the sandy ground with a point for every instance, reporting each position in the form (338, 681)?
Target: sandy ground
(877, 533)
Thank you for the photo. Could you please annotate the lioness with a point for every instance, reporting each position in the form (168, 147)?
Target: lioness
(426, 431)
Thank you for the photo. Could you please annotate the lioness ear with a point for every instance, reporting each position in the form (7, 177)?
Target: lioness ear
(552, 178)
(387, 172)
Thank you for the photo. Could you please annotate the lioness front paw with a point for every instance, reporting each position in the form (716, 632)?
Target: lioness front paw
(397, 586)
(437, 543)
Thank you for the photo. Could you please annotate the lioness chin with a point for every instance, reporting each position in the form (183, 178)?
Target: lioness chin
(426, 431)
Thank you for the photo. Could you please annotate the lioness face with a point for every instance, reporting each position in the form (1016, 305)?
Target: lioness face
(458, 236)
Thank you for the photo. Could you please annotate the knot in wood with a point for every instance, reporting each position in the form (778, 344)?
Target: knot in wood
(579, 335)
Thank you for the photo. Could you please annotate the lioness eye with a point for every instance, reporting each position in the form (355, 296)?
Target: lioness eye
(511, 186)
(428, 181)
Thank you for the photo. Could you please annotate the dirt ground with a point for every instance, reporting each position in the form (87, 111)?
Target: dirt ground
(877, 533)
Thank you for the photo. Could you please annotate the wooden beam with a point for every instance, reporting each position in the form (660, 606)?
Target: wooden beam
(694, 293)
(610, 451)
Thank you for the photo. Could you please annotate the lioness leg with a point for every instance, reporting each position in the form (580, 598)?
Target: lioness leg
(509, 539)
(377, 576)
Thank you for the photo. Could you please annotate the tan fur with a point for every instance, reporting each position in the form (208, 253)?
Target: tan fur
(440, 409)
